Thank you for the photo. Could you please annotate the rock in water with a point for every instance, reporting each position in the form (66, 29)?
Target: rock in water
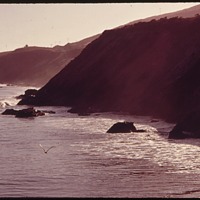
(28, 112)
(122, 127)
(9, 112)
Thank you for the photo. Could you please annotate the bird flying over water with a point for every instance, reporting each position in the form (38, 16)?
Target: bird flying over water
(45, 151)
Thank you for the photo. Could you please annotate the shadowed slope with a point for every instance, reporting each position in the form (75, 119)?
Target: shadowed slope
(150, 68)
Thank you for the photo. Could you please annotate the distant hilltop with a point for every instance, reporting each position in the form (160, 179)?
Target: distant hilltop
(35, 66)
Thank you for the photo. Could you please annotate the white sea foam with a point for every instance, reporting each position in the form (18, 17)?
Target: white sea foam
(8, 94)
(8, 102)
(3, 85)
(3, 104)
(88, 162)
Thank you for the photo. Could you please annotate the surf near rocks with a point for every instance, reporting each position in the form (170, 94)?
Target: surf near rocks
(24, 113)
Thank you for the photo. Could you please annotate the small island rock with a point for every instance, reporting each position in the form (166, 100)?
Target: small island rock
(123, 127)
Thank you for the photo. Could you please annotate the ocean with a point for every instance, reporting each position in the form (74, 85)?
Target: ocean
(88, 162)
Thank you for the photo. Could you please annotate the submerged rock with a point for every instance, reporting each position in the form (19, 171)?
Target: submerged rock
(81, 111)
(123, 127)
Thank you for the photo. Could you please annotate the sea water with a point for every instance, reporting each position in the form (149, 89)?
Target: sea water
(88, 162)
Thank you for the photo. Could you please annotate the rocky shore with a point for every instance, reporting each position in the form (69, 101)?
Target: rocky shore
(149, 68)
(27, 112)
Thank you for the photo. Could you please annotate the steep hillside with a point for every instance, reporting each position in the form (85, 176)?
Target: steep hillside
(149, 68)
(35, 66)
(185, 13)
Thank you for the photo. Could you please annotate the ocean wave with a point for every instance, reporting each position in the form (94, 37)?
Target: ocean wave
(8, 102)
(8, 94)
(3, 85)
(3, 104)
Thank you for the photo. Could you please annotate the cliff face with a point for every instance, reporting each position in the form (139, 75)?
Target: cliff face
(150, 68)
(34, 66)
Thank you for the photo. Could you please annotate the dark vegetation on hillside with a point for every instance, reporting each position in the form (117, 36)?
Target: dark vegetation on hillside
(149, 68)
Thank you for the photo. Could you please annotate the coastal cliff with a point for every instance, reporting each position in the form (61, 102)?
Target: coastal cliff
(149, 68)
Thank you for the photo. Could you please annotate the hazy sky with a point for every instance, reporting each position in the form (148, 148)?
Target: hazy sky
(48, 25)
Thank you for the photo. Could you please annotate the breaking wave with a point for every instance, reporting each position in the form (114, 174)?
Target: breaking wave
(3, 104)
(8, 94)
(3, 85)
(8, 102)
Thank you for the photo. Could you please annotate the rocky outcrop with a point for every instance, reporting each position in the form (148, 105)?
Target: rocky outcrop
(24, 113)
(28, 96)
(29, 112)
(123, 127)
(31, 92)
(187, 127)
(27, 93)
(9, 112)
(149, 68)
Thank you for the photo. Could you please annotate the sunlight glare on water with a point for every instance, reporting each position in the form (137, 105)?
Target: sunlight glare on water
(87, 161)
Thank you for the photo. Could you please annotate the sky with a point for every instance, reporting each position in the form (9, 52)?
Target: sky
(47, 25)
